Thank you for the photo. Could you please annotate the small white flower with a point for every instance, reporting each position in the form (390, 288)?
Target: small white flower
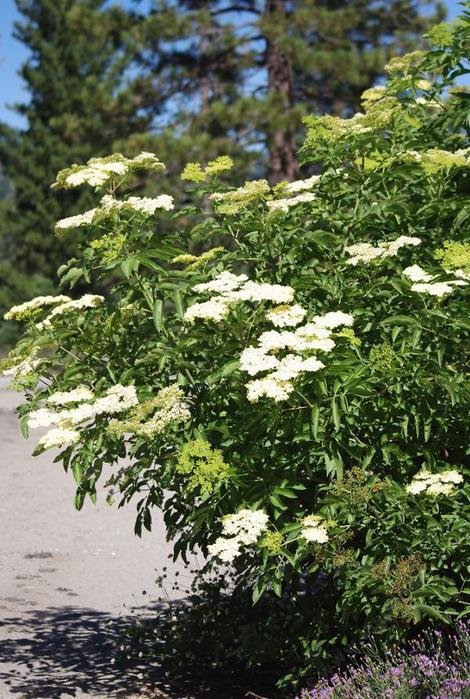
(451, 477)
(462, 274)
(275, 340)
(416, 487)
(317, 344)
(394, 246)
(439, 489)
(362, 252)
(312, 330)
(292, 365)
(22, 369)
(312, 364)
(288, 369)
(74, 416)
(146, 205)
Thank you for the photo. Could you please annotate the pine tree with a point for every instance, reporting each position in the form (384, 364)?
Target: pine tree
(79, 105)
(245, 71)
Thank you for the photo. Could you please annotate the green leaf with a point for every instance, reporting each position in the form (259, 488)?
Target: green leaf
(129, 266)
(178, 304)
(259, 589)
(336, 414)
(79, 498)
(314, 420)
(157, 314)
(77, 470)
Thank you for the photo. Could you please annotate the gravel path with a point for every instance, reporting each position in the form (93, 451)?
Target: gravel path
(68, 579)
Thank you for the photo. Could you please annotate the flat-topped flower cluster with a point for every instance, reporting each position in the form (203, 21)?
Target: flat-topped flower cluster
(99, 172)
(86, 407)
(109, 205)
(426, 283)
(442, 483)
(246, 527)
(152, 416)
(146, 418)
(314, 336)
(252, 192)
(241, 529)
(29, 308)
(366, 252)
(230, 289)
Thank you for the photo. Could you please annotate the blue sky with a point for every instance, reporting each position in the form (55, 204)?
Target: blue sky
(13, 54)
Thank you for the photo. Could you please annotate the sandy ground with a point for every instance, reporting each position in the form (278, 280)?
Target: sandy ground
(68, 579)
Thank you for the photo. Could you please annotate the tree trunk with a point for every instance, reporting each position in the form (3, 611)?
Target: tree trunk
(282, 142)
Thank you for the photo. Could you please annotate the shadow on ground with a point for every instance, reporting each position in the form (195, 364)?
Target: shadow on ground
(65, 651)
(68, 652)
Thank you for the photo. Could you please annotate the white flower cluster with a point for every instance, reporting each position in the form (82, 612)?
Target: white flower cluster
(109, 204)
(24, 309)
(232, 288)
(76, 395)
(116, 399)
(286, 316)
(148, 205)
(312, 336)
(240, 529)
(434, 483)
(235, 201)
(96, 174)
(86, 301)
(365, 252)
(223, 284)
(314, 529)
(98, 171)
(59, 437)
(424, 283)
(302, 185)
(215, 309)
(168, 407)
(285, 204)
(84, 219)
(416, 274)
(22, 369)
